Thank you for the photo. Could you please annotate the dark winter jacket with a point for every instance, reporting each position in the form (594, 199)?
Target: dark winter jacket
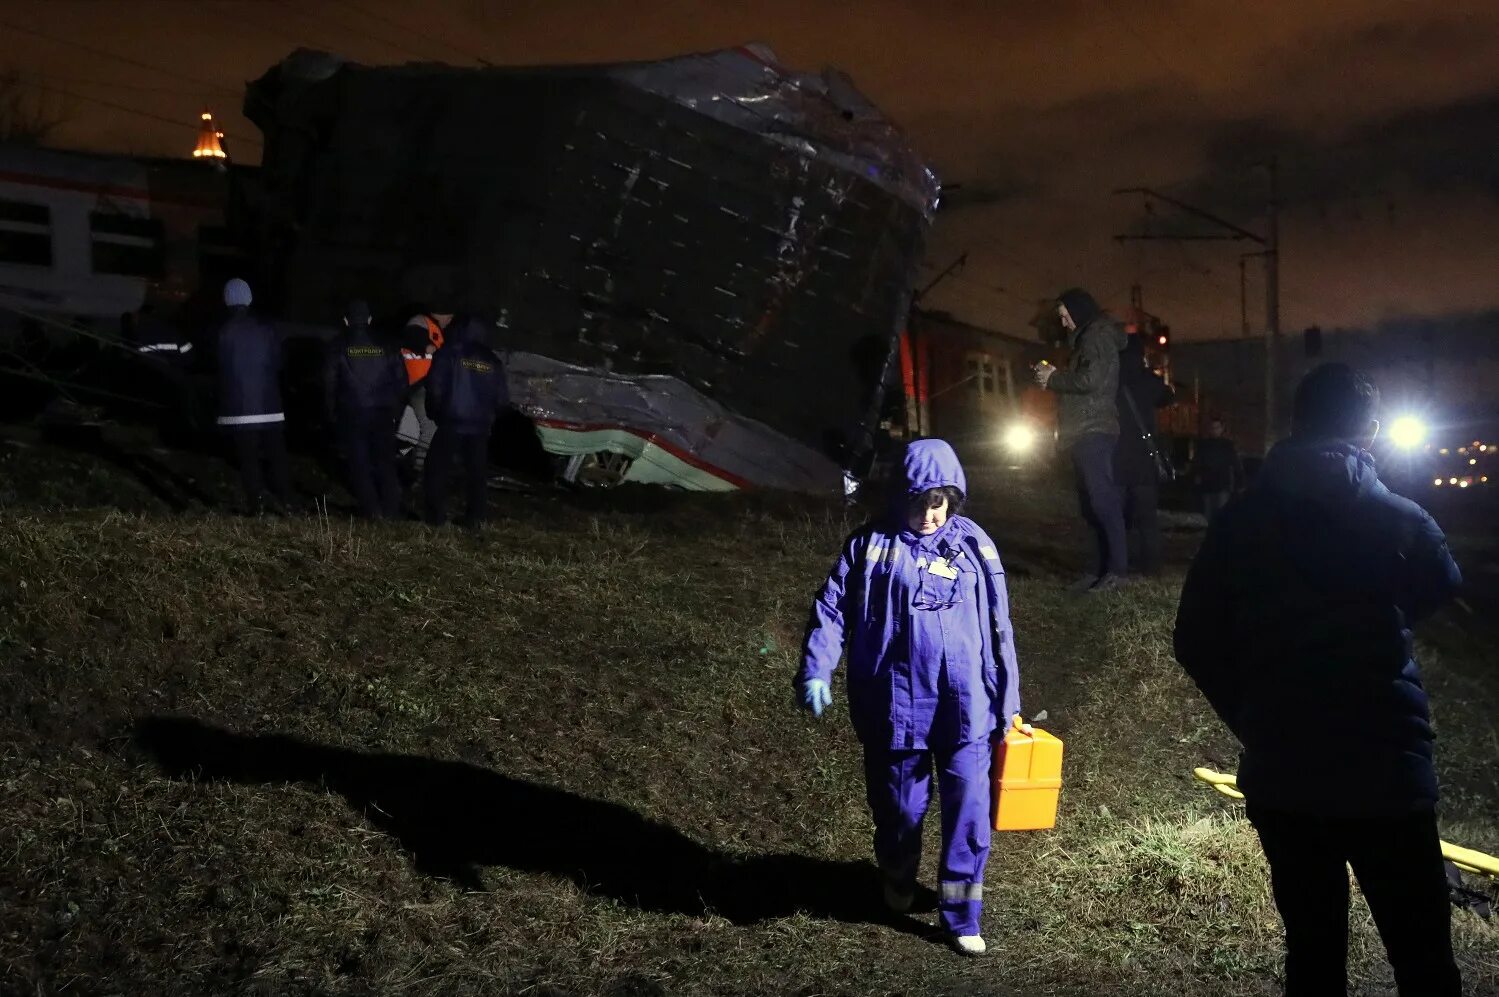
(363, 380)
(1139, 442)
(466, 387)
(1090, 383)
(1216, 466)
(1295, 621)
(248, 353)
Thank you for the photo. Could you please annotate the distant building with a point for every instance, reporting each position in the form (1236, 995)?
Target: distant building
(1446, 369)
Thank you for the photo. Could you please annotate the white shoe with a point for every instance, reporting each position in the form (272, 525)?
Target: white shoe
(969, 944)
(898, 902)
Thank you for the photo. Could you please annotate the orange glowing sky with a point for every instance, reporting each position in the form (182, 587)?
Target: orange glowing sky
(1384, 115)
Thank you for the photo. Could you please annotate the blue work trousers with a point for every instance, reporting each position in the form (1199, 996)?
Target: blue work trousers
(899, 786)
(1098, 496)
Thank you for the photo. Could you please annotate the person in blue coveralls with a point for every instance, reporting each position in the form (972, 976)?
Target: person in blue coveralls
(918, 601)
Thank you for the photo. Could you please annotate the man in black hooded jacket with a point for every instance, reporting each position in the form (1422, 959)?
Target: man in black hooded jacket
(1296, 623)
(1088, 427)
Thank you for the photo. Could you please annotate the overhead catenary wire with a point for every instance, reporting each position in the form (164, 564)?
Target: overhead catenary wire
(993, 288)
(301, 10)
(104, 54)
(44, 80)
(253, 25)
(125, 109)
(349, 5)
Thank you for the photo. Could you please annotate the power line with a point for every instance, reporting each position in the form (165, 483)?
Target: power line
(43, 81)
(251, 24)
(1155, 53)
(146, 114)
(397, 46)
(119, 58)
(348, 4)
(991, 288)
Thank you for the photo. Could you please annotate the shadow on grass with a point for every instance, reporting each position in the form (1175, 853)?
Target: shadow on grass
(453, 818)
(166, 484)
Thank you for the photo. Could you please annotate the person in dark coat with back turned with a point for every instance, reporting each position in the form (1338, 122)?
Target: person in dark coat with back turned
(465, 391)
(1295, 622)
(365, 385)
(1138, 461)
(248, 354)
(1216, 469)
(1088, 427)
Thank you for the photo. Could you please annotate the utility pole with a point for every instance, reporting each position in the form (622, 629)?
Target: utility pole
(1243, 297)
(1270, 243)
(1272, 307)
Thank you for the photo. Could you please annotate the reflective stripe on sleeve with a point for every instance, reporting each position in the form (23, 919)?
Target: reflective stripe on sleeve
(251, 420)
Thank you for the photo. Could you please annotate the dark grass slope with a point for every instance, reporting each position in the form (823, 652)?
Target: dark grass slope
(560, 757)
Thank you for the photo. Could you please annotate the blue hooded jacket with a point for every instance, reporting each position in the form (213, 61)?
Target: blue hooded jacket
(466, 387)
(1295, 621)
(925, 622)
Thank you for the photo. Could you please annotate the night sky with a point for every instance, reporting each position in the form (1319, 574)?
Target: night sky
(1384, 115)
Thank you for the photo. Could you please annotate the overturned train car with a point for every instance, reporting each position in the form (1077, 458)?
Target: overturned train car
(698, 266)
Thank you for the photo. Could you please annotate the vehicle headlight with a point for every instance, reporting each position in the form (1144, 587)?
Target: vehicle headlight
(1020, 437)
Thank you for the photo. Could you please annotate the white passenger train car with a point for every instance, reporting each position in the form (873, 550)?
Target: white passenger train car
(85, 238)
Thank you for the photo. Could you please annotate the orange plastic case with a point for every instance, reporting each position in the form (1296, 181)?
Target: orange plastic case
(1027, 780)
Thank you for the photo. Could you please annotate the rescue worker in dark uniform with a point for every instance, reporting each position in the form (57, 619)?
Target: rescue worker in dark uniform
(365, 387)
(167, 366)
(421, 338)
(465, 390)
(248, 353)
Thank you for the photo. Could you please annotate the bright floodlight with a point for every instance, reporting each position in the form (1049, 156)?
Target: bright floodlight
(1020, 437)
(1407, 432)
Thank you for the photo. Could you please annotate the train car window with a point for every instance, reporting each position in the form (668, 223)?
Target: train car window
(25, 233)
(126, 245)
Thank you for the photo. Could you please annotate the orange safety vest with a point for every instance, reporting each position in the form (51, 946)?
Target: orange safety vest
(418, 365)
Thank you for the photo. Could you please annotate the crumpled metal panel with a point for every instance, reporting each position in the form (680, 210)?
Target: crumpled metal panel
(815, 114)
(751, 233)
(662, 411)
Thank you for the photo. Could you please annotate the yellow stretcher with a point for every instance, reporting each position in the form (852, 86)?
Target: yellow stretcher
(1465, 859)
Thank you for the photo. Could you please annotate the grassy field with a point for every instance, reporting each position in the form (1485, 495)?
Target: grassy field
(560, 757)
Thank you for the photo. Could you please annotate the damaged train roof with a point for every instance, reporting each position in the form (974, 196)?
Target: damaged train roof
(715, 218)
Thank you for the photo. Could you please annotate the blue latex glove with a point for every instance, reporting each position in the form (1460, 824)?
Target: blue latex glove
(816, 696)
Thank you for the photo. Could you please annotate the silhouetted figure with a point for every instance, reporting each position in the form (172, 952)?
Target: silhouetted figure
(421, 338)
(248, 353)
(1216, 470)
(1139, 463)
(1088, 428)
(465, 391)
(1295, 622)
(365, 386)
